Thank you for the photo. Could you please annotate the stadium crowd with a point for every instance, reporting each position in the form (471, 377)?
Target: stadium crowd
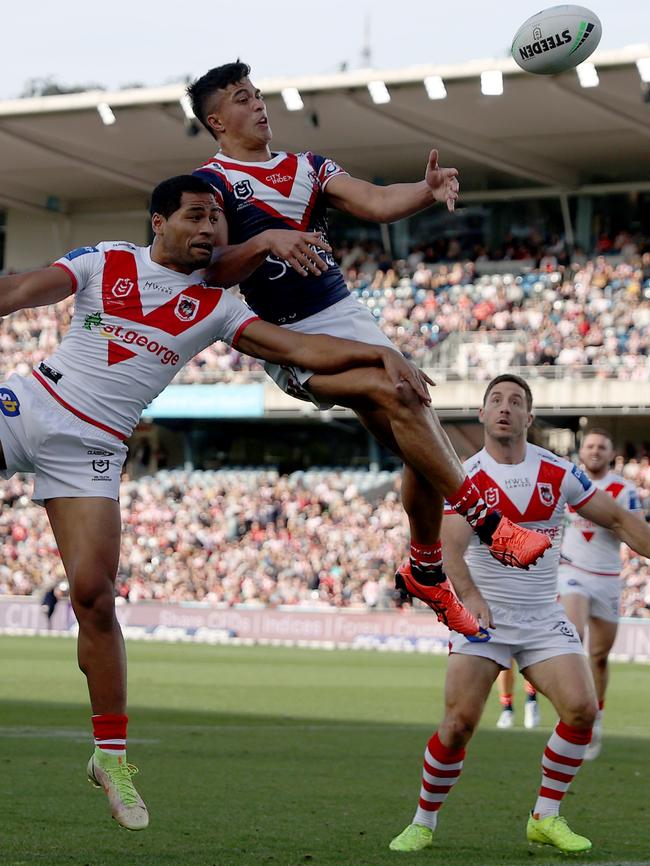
(590, 313)
(254, 538)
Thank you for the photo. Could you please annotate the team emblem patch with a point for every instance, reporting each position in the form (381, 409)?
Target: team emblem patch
(242, 189)
(100, 466)
(9, 403)
(546, 494)
(122, 287)
(186, 308)
(492, 497)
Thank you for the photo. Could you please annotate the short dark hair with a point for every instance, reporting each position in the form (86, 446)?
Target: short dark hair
(166, 197)
(600, 431)
(517, 380)
(215, 79)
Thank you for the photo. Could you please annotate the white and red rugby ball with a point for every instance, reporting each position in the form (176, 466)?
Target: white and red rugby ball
(556, 39)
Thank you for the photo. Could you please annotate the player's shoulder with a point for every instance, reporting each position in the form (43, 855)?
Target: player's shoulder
(537, 452)
(474, 464)
(127, 246)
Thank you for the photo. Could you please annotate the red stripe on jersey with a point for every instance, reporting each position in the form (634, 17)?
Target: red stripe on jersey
(69, 273)
(281, 177)
(122, 436)
(121, 298)
(299, 225)
(562, 759)
(614, 488)
(241, 329)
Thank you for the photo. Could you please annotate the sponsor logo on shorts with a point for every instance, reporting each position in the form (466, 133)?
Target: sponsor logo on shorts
(100, 452)
(9, 403)
(50, 373)
(566, 628)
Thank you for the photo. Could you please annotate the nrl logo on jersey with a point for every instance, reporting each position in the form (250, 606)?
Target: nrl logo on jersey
(546, 493)
(186, 308)
(122, 287)
(242, 189)
(492, 497)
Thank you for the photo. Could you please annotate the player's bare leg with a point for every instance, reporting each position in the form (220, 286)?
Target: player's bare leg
(602, 635)
(567, 682)
(426, 448)
(506, 685)
(87, 531)
(467, 686)
(422, 573)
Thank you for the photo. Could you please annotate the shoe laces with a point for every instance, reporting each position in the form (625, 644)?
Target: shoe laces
(121, 775)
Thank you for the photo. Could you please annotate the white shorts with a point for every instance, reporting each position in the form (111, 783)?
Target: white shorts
(68, 456)
(348, 319)
(603, 592)
(527, 634)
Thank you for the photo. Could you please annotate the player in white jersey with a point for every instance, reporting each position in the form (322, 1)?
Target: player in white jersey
(590, 568)
(140, 314)
(275, 220)
(532, 486)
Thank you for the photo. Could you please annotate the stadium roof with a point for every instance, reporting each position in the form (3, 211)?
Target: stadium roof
(544, 135)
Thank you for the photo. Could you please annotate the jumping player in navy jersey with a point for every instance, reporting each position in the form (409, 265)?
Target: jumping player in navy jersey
(274, 244)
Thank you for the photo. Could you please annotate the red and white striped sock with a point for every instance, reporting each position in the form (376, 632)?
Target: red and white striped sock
(426, 563)
(109, 731)
(441, 771)
(561, 760)
(468, 501)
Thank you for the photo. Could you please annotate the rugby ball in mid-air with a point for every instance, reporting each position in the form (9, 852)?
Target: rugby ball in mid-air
(556, 39)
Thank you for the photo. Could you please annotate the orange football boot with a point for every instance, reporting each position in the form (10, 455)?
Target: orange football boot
(517, 546)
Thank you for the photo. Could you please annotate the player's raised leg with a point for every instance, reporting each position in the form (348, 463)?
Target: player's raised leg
(422, 574)
(469, 681)
(87, 531)
(566, 681)
(426, 448)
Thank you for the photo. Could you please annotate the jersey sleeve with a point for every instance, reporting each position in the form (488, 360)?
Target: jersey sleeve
(234, 316)
(577, 487)
(216, 181)
(81, 264)
(326, 169)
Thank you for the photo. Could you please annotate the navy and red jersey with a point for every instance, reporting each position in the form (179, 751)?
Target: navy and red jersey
(285, 192)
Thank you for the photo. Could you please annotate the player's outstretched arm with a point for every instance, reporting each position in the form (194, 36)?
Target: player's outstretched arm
(233, 263)
(456, 535)
(329, 355)
(34, 289)
(386, 204)
(628, 526)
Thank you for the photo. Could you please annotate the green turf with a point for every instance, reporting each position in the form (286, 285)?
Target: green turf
(281, 757)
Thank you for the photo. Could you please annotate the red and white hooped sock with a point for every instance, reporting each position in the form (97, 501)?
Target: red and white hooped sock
(468, 501)
(440, 773)
(561, 760)
(109, 730)
(426, 562)
(506, 702)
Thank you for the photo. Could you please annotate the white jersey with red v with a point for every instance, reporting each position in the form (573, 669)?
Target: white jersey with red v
(532, 493)
(593, 548)
(285, 192)
(135, 324)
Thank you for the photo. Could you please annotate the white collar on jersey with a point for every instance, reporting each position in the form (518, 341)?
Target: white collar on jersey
(269, 163)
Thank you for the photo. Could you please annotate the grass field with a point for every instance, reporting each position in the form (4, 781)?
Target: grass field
(282, 757)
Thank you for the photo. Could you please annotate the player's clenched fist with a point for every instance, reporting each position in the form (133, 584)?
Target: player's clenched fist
(298, 249)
